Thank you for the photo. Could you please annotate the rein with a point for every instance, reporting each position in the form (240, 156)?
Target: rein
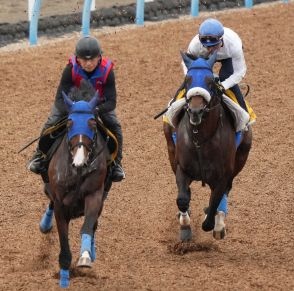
(196, 142)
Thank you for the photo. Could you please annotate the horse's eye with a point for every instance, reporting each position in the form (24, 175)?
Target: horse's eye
(92, 124)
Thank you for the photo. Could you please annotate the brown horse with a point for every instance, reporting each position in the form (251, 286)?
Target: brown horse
(78, 183)
(206, 148)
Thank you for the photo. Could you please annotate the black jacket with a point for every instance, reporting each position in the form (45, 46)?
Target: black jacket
(66, 83)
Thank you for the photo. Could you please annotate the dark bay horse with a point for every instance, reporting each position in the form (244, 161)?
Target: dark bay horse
(78, 183)
(207, 148)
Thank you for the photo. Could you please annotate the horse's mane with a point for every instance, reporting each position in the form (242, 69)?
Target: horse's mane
(85, 92)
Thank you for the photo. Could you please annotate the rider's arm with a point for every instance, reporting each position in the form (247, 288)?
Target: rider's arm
(233, 49)
(65, 85)
(239, 69)
(109, 92)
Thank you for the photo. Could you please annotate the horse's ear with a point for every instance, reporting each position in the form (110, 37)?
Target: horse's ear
(188, 81)
(187, 61)
(212, 59)
(93, 102)
(67, 100)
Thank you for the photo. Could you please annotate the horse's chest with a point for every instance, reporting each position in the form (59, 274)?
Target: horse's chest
(198, 161)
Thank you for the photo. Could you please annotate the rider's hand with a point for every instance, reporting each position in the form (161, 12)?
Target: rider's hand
(97, 111)
(220, 87)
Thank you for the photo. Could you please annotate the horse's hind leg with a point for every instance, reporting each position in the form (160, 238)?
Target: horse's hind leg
(183, 201)
(46, 221)
(65, 256)
(243, 152)
(219, 231)
(168, 131)
(216, 197)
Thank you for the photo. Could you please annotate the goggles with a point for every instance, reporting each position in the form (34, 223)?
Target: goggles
(210, 40)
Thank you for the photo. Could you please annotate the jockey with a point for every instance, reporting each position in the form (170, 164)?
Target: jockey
(87, 63)
(213, 37)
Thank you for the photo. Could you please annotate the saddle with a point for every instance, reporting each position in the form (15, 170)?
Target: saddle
(240, 116)
(53, 136)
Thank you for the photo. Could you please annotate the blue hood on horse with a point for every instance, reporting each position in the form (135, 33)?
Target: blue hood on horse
(199, 71)
(80, 113)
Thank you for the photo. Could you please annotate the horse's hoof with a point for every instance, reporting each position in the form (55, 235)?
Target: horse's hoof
(185, 233)
(85, 262)
(207, 226)
(45, 230)
(219, 234)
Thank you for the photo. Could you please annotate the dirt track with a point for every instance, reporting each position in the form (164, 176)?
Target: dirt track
(138, 233)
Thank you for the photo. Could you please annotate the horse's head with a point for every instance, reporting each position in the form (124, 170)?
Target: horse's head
(81, 129)
(199, 82)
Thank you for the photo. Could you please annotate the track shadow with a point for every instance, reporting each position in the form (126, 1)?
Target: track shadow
(182, 248)
(79, 273)
(44, 259)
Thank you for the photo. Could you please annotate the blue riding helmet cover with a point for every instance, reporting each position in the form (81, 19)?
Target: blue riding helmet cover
(80, 114)
(199, 71)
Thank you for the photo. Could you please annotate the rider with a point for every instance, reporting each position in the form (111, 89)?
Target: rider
(89, 64)
(214, 37)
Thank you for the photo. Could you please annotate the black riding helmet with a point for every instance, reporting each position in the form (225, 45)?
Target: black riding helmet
(88, 48)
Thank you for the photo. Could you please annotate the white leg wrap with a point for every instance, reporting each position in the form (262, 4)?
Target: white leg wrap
(85, 254)
(184, 218)
(219, 221)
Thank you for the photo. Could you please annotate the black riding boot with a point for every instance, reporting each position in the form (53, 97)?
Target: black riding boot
(118, 173)
(36, 163)
(236, 90)
(109, 119)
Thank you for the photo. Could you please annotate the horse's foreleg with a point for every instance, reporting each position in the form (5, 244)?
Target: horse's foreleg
(170, 145)
(217, 194)
(93, 208)
(183, 202)
(65, 254)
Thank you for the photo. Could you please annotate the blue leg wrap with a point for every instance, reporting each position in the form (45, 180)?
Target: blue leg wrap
(64, 278)
(93, 249)
(174, 136)
(46, 221)
(238, 138)
(86, 243)
(223, 206)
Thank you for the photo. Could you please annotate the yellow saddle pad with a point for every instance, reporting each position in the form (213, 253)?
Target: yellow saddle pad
(112, 142)
(230, 94)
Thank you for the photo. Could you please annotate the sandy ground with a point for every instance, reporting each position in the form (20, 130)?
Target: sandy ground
(137, 242)
(16, 10)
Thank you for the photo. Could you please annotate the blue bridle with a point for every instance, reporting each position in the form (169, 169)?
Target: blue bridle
(80, 115)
